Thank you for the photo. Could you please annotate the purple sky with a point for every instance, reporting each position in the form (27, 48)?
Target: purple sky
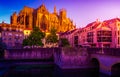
(82, 12)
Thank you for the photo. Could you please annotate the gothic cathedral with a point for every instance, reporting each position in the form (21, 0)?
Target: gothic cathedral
(42, 18)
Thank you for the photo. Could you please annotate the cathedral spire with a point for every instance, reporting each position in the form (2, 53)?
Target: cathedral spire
(43, 4)
(55, 11)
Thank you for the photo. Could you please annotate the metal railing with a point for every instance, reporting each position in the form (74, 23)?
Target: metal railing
(105, 51)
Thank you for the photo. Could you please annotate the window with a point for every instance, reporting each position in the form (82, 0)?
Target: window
(9, 44)
(118, 32)
(104, 33)
(17, 40)
(27, 21)
(118, 40)
(10, 34)
(89, 34)
(5, 34)
(16, 35)
(4, 38)
(104, 36)
(106, 45)
(104, 39)
(9, 39)
(90, 37)
(76, 40)
(20, 35)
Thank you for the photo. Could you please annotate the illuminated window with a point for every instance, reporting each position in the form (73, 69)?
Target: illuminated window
(20, 35)
(16, 34)
(0, 35)
(10, 34)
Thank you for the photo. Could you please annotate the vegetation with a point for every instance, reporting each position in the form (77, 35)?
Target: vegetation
(64, 42)
(35, 38)
(52, 37)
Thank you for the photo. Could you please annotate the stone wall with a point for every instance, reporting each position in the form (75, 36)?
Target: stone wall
(41, 53)
(71, 58)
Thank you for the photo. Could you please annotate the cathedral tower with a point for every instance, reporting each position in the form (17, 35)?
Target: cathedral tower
(14, 19)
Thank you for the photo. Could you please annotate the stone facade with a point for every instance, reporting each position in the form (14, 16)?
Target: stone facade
(42, 18)
(11, 35)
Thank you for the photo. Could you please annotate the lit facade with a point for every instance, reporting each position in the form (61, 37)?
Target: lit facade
(98, 34)
(42, 18)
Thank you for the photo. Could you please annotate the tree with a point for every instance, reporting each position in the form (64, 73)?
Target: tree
(64, 42)
(35, 38)
(25, 42)
(52, 37)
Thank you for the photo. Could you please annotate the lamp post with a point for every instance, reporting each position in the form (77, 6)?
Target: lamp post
(102, 52)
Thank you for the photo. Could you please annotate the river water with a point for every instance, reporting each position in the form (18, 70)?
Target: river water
(47, 70)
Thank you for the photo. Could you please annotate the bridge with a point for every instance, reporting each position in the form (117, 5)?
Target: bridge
(107, 59)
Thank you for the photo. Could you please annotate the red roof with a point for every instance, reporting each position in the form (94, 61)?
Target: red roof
(90, 24)
(94, 24)
(68, 32)
(112, 20)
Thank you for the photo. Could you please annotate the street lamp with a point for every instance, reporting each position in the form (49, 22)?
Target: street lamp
(102, 44)
(102, 52)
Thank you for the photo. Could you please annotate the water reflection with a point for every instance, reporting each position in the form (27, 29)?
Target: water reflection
(49, 71)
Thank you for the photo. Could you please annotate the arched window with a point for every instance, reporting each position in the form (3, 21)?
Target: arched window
(43, 25)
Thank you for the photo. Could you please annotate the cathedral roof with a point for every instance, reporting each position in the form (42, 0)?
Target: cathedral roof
(42, 8)
(26, 9)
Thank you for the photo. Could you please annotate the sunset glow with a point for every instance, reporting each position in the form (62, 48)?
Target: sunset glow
(81, 12)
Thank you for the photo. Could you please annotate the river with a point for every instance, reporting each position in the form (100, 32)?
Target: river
(47, 70)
